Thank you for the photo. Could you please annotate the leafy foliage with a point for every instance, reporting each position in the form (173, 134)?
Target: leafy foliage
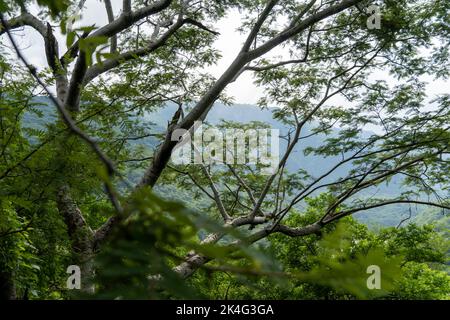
(237, 233)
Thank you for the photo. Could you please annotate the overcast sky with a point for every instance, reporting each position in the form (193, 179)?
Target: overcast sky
(228, 43)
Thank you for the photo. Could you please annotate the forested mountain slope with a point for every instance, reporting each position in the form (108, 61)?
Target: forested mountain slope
(315, 165)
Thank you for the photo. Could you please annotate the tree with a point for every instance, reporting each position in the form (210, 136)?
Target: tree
(154, 52)
(304, 257)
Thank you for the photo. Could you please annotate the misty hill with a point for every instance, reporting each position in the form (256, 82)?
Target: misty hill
(314, 165)
(385, 216)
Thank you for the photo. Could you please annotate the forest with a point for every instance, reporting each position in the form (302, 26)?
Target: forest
(224, 149)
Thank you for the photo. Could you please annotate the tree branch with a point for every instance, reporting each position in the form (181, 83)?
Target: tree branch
(126, 7)
(195, 261)
(381, 204)
(203, 106)
(243, 184)
(292, 31)
(257, 26)
(110, 13)
(112, 63)
(222, 210)
(26, 19)
(111, 29)
(65, 115)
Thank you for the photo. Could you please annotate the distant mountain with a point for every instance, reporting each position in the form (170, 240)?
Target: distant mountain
(237, 113)
(242, 113)
(386, 216)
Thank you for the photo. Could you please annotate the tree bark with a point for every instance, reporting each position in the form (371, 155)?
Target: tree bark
(7, 287)
(81, 236)
(194, 261)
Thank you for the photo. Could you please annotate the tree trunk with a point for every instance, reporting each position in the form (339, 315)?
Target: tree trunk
(81, 236)
(7, 288)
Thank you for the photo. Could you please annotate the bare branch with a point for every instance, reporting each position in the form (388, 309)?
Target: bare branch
(112, 63)
(193, 180)
(306, 23)
(126, 6)
(51, 46)
(200, 25)
(25, 19)
(361, 184)
(243, 184)
(381, 204)
(405, 219)
(126, 20)
(110, 13)
(283, 63)
(216, 193)
(257, 26)
(111, 29)
(302, 13)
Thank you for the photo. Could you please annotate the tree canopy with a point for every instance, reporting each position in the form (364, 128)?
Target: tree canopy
(90, 181)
